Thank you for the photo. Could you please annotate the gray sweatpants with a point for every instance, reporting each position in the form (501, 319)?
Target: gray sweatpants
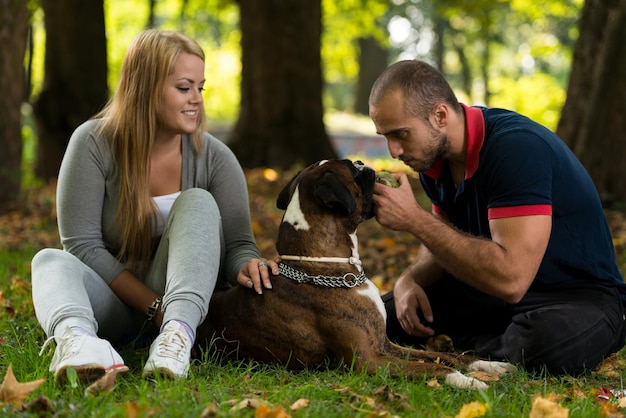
(184, 270)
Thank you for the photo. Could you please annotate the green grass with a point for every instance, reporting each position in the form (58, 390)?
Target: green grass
(332, 393)
(222, 388)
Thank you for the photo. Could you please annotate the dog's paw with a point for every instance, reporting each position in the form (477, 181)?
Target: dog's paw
(459, 380)
(499, 367)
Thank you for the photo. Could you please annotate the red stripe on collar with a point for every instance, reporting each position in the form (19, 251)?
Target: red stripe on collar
(475, 129)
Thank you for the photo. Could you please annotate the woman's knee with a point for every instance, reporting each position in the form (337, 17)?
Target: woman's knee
(48, 260)
(196, 207)
(196, 198)
(45, 255)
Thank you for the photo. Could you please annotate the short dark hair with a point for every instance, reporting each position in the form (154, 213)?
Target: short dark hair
(422, 85)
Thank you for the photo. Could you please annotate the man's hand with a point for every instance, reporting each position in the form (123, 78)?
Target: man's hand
(395, 208)
(409, 297)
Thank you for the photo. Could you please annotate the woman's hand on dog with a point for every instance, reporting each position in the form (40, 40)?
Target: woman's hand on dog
(256, 274)
(409, 298)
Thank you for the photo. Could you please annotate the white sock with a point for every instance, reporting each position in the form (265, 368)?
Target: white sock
(82, 331)
(187, 328)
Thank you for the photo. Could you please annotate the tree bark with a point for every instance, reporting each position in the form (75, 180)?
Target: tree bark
(280, 120)
(14, 16)
(593, 119)
(373, 60)
(75, 79)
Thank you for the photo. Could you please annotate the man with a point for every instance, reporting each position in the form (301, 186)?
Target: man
(517, 260)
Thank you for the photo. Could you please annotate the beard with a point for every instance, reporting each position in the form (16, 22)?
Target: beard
(437, 147)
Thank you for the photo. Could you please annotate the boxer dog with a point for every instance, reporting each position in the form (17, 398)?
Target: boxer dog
(322, 310)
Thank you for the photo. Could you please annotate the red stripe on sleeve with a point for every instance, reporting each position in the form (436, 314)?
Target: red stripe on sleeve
(512, 211)
(438, 211)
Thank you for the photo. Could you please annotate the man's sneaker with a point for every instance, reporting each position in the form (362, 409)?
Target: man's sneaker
(91, 357)
(170, 352)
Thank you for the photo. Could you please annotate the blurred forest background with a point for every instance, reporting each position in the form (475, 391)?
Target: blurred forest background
(288, 80)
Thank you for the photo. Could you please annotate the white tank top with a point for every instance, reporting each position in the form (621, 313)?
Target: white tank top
(164, 206)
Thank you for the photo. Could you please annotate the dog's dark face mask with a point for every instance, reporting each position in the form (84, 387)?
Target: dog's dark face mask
(330, 192)
(365, 178)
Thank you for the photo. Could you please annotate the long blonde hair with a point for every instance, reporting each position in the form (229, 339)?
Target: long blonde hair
(130, 123)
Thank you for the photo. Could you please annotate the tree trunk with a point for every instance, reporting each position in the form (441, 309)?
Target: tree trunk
(486, 24)
(440, 25)
(14, 17)
(281, 116)
(75, 79)
(593, 119)
(373, 59)
(152, 14)
(459, 44)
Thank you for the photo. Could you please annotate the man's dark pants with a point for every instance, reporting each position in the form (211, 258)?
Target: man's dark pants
(564, 329)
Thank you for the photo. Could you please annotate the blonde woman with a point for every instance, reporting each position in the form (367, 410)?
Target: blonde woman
(152, 214)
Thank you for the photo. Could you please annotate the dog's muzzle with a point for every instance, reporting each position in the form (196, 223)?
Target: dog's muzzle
(365, 177)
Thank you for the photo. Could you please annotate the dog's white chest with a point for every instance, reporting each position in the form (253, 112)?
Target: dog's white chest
(370, 290)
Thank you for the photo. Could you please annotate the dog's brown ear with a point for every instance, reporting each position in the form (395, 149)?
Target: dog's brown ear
(330, 192)
(283, 197)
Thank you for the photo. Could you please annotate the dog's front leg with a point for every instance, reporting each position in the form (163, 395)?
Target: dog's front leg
(459, 380)
(499, 367)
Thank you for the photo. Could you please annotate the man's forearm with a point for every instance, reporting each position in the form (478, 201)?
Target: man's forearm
(476, 261)
(425, 270)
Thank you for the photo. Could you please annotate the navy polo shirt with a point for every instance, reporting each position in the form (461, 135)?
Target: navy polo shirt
(516, 167)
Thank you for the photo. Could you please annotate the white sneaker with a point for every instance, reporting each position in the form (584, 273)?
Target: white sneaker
(91, 357)
(170, 352)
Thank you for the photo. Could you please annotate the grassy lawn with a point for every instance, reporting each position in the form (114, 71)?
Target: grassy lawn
(255, 390)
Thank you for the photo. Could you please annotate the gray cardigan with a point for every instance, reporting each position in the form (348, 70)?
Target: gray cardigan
(87, 198)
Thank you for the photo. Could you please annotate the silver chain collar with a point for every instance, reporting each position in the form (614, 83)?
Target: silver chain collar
(348, 280)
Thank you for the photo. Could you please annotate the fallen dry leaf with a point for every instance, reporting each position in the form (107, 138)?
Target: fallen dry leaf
(299, 404)
(385, 394)
(554, 397)
(264, 411)
(40, 406)
(14, 392)
(613, 366)
(133, 410)
(485, 376)
(210, 411)
(576, 393)
(105, 383)
(610, 411)
(342, 389)
(434, 384)
(547, 408)
(246, 403)
(369, 401)
(473, 410)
